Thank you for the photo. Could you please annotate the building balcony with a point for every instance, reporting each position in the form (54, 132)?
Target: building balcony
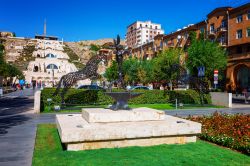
(223, 44)
(180, 45)
(239, 57)
(171, 45)
(222, 29)
(211, 33)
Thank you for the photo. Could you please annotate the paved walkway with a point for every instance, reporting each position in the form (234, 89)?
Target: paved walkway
(18, 128)
(17, 144)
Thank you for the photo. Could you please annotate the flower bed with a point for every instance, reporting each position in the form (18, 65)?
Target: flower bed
(231, 131)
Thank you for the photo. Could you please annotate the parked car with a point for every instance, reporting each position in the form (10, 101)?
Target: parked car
(139, 88)
(90, 87)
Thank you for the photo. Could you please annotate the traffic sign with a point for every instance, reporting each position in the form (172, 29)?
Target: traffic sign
(201, 71)
(216, 75)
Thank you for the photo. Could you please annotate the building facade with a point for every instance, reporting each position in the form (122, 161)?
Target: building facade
(50, 63)
(140, 33)
(230, 27)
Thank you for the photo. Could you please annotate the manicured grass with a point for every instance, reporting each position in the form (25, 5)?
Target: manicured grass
(49, 151)
(78, 108)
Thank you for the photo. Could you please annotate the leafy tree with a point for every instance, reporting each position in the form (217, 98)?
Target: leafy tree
(166, 65)
(111, 73)
(94, 47)
(146, 71)
(208, 54)
(130, 70)
(8, 70)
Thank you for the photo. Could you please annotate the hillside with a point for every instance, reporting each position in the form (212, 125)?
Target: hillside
(82, 48)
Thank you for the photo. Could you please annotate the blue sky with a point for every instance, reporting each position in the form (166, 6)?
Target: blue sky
(76, 20)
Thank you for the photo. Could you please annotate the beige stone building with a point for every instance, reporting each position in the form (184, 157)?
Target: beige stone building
(50, 63)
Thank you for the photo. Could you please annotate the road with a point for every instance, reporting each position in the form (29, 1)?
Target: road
(18, 125)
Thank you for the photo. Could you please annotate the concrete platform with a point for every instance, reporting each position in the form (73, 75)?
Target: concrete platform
(101, 115)
(78, 134)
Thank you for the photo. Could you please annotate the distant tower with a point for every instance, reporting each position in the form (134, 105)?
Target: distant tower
(44, 28)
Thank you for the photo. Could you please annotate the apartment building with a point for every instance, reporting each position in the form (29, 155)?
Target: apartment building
(228, 26)
(238, 67)
(140, 33)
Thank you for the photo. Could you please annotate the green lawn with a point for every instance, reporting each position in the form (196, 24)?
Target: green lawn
(78, 108)
(49, 151)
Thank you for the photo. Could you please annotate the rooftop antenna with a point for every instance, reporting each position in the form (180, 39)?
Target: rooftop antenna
(44, 28)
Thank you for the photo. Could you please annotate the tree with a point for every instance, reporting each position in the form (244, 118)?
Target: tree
(111, 73)
(166, 66)
(94, 47)
(8, 70)
(208, 54)
(130, 70)
(145, 71)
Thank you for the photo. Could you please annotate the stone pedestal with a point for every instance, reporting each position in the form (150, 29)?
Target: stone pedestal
(100, 115)
(101, 128)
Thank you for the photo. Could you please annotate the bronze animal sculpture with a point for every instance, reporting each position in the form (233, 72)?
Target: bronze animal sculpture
(89, 71)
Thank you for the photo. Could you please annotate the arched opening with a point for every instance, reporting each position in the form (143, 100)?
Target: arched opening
(50, 55)
(38, 55)
(35, 69)
(242, 77)
(51, 66)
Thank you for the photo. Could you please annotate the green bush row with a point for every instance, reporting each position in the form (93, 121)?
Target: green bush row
(188, 97)
(97, 97)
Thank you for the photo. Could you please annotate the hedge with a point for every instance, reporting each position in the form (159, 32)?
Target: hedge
(188, 97)
(97, 97)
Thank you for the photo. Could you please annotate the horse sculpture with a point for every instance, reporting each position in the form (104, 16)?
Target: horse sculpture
(89, 71)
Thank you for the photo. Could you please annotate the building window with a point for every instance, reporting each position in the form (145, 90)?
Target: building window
(146, 35)
(35, 69)
(248, 32)
(212, 28)
(156, 27)
(202, 30)
(51, 56)
(248, 48)
(140, 25)
(223, 24)
(52, 66)
(146, 31)
(146, 25)
(239, 50)
(239, 18)
(248, 15)
(239, 34)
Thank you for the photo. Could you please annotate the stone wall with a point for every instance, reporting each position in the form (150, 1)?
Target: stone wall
(221, 99)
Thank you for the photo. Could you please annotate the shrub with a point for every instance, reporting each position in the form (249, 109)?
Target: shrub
(150, 97)
(97, 97)
(188, 97)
